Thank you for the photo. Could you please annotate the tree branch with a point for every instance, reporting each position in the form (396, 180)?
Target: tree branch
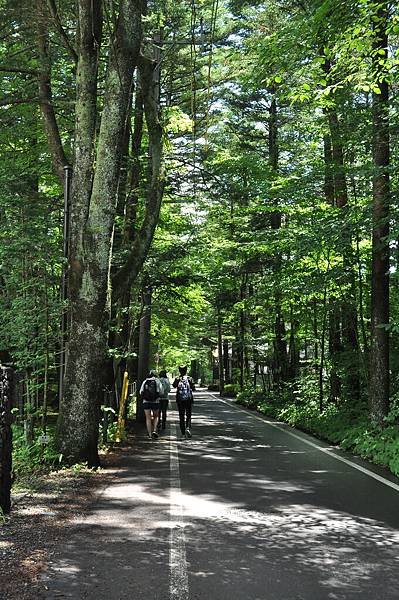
(45, 96)
(5, 69)
(58, 25)
(13, 100)
(126, 275)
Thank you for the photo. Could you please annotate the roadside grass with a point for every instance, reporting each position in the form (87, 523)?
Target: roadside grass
(34, 460)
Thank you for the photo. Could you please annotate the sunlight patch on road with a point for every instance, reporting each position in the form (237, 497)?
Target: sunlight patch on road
(217, 456)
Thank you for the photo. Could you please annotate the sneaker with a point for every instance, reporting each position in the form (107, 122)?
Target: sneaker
(154, 435)
(188, 434)
(149, 437)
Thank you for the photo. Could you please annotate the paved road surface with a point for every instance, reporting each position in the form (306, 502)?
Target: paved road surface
(243, 511)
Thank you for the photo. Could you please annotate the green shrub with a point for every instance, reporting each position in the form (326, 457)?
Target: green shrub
(28, 459)
(231, 389)
(251, 398)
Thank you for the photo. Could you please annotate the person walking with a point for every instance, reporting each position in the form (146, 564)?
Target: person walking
(150, 393)
(164, 401)
(184, 399)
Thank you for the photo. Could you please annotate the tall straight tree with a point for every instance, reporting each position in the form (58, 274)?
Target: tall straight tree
(379, 366)
(94, 193)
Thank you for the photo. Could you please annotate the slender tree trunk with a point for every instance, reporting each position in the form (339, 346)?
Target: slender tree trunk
(144, 349)
(45, 96)
(226, 361)
(379, 362)
(315, 330)
(334, 313)
(280, 345)
(293, 346)
(6, 402)
(220, 354)
(348, 309)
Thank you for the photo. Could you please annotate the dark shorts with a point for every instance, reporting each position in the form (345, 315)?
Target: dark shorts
(147, 405)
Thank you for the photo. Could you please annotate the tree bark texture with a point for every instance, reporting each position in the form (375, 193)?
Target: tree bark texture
(6, 401)
(94, 196)
(125, 277)
(144, 349)
(45, 97)
(379, 360)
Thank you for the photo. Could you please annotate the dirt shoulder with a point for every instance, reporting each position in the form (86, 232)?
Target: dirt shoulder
(39, 519)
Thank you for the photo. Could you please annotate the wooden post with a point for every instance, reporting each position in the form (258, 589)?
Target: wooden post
(122, 406)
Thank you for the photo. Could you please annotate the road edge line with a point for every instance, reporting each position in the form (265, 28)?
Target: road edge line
(327, 451)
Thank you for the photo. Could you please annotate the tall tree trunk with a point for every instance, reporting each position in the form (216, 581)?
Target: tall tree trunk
(94, 195)
(379, 362)
(293, 346)
(144, 349)
(280, 345)
(226, 362)
(6, 401)
(143, 237)
(334, 313)
(349, 317)
(220, 354)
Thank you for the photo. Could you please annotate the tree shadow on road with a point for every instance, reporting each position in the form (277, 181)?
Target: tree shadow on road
(265, 517)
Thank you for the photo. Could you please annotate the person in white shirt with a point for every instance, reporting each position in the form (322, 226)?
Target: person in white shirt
(150, 393)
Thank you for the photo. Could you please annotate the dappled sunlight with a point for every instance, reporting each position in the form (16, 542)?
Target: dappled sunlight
(266, 512)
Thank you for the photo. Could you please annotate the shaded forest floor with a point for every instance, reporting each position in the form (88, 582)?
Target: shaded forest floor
(39, 519)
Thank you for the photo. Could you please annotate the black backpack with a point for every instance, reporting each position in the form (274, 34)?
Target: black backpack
(150, 392)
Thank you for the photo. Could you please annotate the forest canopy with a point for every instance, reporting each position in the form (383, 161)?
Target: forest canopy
(203, 182)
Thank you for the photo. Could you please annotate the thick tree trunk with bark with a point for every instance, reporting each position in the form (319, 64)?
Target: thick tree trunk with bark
(94, 195)
(379, 362)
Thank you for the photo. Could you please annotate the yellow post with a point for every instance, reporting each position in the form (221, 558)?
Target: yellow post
(121, 417)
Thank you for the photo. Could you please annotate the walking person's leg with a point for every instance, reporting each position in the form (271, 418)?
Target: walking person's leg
(155, 423)
(181, 409)
(148, 421)
(188, 418)
(164, 412)
(162, 416)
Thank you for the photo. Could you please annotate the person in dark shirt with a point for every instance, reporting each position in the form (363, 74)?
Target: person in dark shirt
(184, 399)
(165, 385)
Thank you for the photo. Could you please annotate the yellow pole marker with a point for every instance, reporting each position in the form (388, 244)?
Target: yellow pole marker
(121, 417)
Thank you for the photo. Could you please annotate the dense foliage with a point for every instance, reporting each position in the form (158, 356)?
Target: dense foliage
(276, 244)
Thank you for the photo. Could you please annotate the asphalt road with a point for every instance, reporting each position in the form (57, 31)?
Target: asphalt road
(245, 510)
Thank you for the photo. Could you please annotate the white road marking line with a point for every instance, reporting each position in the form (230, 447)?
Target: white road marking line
(379, 478)
(177, 541)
